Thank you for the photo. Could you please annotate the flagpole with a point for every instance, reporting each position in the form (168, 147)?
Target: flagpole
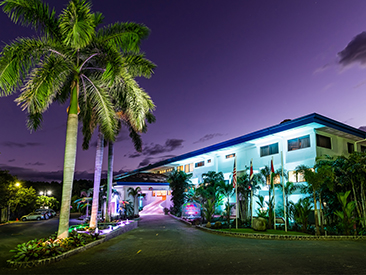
(274, 199)
(251, 191)
(283, 193)
(236, 194)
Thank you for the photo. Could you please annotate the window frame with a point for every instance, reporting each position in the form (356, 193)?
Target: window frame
(298, 140)
(269, 150)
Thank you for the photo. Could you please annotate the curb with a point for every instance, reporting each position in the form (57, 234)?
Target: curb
(283, 237)
(67, 254)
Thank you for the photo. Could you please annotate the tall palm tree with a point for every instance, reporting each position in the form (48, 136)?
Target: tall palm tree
(69, 60)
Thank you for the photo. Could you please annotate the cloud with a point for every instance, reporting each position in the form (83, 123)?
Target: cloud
(355, 51)
(20, 145)
(156, 149)
(362, 128)
(322, 69)
(35, 163)
(134, 155)
(11, 160)
(208, 137)
(145, 162)
(34, 175)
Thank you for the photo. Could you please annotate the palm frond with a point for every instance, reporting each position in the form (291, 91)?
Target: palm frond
(102, 106)
(124, 36)
(138, 65)
(43, 84)
(77, 24)
(34, 13)
(17, 59)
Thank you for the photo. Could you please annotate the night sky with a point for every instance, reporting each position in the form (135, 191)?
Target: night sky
(225, 69)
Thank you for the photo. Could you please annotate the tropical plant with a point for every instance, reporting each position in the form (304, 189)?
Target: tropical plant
(263, 210)
(134, 193)
(300, 212)
(179, 183)
(45, 201)
(70, 60)
(208, 209)
(346, 215)
(289, 188)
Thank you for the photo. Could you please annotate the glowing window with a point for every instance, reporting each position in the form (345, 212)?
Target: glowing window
(188, 168)
(199, 164)
(230, 156)
(180, 168)
(298, 143)
(293, 177)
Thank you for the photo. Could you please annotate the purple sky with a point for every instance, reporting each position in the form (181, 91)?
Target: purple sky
(225, 69)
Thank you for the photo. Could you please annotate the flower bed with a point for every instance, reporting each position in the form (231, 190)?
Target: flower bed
(47, 250)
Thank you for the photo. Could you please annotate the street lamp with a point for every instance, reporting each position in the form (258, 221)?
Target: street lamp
(45, 193)
(17, 184)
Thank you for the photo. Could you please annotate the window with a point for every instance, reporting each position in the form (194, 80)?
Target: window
(165, 171)
(276, 180)
(180, 168)
(323, 141)
(230, 156)
(209, 161)
(199, 164)
(350, 147)
(269, 150)
(298, 143)
(293, 177)
(363, 148)
(188, 168)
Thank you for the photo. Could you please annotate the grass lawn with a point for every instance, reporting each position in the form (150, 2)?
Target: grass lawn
(269, 231)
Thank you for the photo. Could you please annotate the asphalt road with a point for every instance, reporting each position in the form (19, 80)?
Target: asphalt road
(163, 245)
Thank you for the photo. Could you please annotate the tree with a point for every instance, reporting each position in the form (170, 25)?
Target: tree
(178, 182)
(289, 188)
(265, 174)
(227, 191)
(246, 189)
(70, 60)
(300, 212)
(45, 201)
(134, 193)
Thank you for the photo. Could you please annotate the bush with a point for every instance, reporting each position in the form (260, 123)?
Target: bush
(50, 247)
(217, 225)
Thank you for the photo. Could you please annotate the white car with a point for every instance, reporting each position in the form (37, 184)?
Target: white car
(33, 216)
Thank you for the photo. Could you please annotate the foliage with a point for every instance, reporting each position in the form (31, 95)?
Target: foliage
(7, 188)
(346, 215)
(179, 183)
(45, 201)
(49, 247)
(300, 212)
(24, 197)
(208, 209)
(263, 210)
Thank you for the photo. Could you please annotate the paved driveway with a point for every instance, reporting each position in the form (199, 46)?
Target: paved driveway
(163, 245)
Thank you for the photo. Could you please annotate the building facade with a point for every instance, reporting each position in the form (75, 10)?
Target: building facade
(293, 142)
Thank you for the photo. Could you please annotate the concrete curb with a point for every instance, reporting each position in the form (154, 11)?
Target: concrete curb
(111, 235)
(283, 237)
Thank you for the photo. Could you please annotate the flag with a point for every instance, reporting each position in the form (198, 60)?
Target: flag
(251, 172)
(272, 173)
(234, 173)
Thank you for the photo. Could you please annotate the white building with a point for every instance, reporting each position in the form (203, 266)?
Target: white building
(300, 141)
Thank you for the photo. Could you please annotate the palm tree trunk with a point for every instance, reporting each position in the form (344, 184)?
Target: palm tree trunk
(317, 232)
(69, 162)
(355, 200)
(110, 179)
(321, 213)
(97, 176)
(363, 205)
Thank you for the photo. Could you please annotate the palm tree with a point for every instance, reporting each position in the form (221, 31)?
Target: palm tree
(265, 173)
(289, 189)
(178, 183)
(134, 193)
(70, 60)
(227, 191)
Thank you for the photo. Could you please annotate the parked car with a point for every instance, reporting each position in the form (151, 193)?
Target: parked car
(33, 216)
(52, 212)
(45, 212)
